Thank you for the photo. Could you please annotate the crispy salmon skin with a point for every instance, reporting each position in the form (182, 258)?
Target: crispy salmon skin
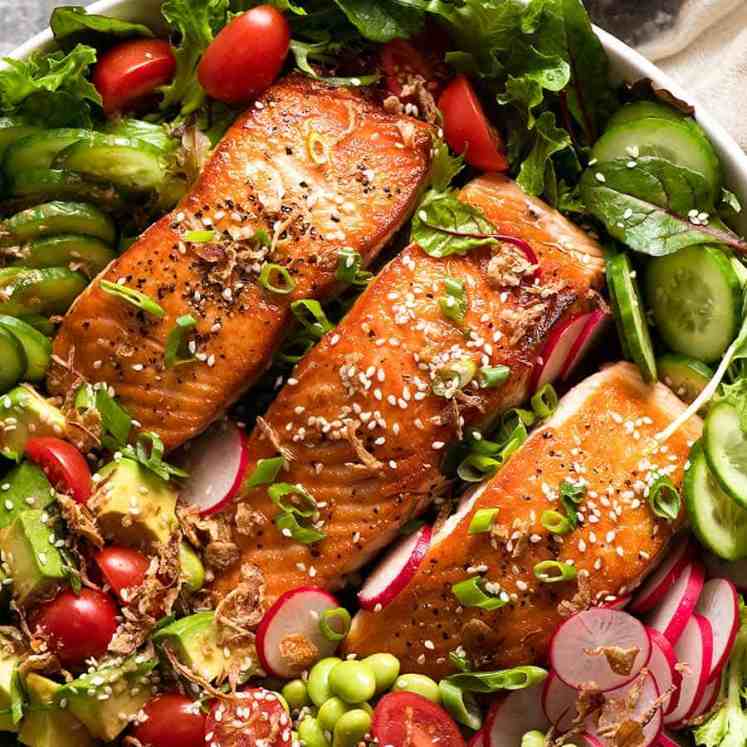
(316, 169)
(367, 417)
(601, 437)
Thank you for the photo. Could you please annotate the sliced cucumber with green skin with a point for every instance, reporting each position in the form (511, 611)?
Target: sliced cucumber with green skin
(36, 346)
(718, 522)
(61, 217)
(695, 297)
(685, 376)
(48, 291)
(125, 162)
(39, 149)
(631, 321)
(725, 445)
(12, 130)
(44, 184)
(87, 253)
(12, 361)
(40, 323)
(643, 110)
(138, 129)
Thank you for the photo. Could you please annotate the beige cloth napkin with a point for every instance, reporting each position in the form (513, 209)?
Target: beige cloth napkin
(706, 53)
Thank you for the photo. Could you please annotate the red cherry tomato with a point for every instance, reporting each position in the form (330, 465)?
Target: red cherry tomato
(77, 627)
(246, 56)
(402, 719)
(131, 71)
(257, 718)
(173, 721)
(467, 130)
(64, 466)
(122, 567)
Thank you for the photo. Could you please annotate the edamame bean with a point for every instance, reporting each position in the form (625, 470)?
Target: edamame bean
(353, 681)
(351, 728)
(533, 739)
(318, 684)
(311, 734)
(330, 712)
(295, 694)
(419, 684)
(385, 668)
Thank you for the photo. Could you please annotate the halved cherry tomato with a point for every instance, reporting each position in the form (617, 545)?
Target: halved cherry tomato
(257, 717)
(403, 719)
(173, 720)
(64, 466)
(467, 130)
(131, 71)
(122, 567)
(246, 56)
(76, 626)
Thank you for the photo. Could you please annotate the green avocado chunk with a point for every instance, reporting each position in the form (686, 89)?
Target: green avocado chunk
(23, 412)
(23, 488)
(11, 699)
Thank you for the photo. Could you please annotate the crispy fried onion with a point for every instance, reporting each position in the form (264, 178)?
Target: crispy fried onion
(80, 519)
(619, 660)
(365, 457)
(580, 601)
(213, 535)
(269, 433)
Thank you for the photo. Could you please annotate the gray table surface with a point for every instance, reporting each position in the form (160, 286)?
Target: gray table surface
(631, 20)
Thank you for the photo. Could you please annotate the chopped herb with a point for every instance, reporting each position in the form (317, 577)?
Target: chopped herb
(276, 279)
(176, 351)
(349, 265)
(135, 297)
(476, 592)
(553, 572)
(483, 520)
(300, 502)
(115, 421)
(571, 494)
(311, 316)
(664, 498)
(148, 451)
(289, 525)
(458, 659)
(334, 624)
(454, 303)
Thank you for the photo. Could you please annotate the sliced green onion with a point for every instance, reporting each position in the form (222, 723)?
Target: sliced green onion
(276, 279)
(461, 704)
(148, 450)
(115, 422)
(474, 592)
(317, 148)
(176, 352)
(664, 498)
(301, 501)
(453, 303)
(199, 237)
(476, 467)
(349, 264)
(490, 377)
(483, 520)
(265, 472)
(295, 348)
(334, 624)
(513, 419)
(517, 678)
(135, 297)
(545, 401)
(458, 659)
(289, 526)
(553, 571)
(555, 522)
(312, 317)
(453, 377)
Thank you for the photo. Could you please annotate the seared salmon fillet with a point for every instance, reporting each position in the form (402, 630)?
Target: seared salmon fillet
(601, 436)
(316, 169)
(365, 420)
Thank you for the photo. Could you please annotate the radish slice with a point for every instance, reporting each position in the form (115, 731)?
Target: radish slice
(577, 650)
(667, 740)
(709, 698)
(719, 604)
(559, 703)
(395, 570)
(556, 350)
(216, 462)
(673, 612)
(510, 717)
(653, 589)
(293, 617)
(694, 651)
(663, 668)
(596, 323)
(618, 604)
(587, 740)
(735, 571)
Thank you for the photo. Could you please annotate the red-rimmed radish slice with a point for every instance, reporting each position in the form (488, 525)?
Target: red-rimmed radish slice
(663, 668)
(555, 351)
(588, 740)
(511, 716)
(735, 571)
(619, 603)
(216, 462)
(708, 698)
(597, 322)
(559, 703)
(694, 651)
(395, 571)
(667, 740)
(477, 740)
(719, 604)
(583, 649)
(296, 613)
(653, 589)
(676, 607)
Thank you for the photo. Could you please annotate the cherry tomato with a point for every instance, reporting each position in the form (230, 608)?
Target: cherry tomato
(404, 718)
(64, 466)
(246, 56)
(122, 567)
(77, 627)
(257, 718)
(401, 60)
(467, 130)
(173, 721)
(131, 71)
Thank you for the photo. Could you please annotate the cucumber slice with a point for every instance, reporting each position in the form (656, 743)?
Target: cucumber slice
(686, 377)
(61, 217)
(631, 322)
(719, 523)
(725, 445)
(138, 129)
(36, 346)
(44, 184)
(47, 291)
(12, 361)
(696, 300)
(38, 150)
(642, 110)
(125, 162)
(13, 129)
(40, 323)
(86, 253)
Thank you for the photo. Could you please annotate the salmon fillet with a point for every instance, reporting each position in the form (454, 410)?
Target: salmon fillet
(602, 433)
(317, 169)
(364, 432)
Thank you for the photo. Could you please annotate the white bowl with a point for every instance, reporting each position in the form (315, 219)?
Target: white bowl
(627, 65)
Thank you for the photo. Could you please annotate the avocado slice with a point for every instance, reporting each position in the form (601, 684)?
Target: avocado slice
(133, 506)
(23, 488)
(22, 412)
(11, 698)
(35, 564)
(45, 723)
(193, 571)
(107, 699)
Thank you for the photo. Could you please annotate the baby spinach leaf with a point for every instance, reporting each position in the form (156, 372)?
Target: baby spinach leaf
(383, 20)
(74, 24)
